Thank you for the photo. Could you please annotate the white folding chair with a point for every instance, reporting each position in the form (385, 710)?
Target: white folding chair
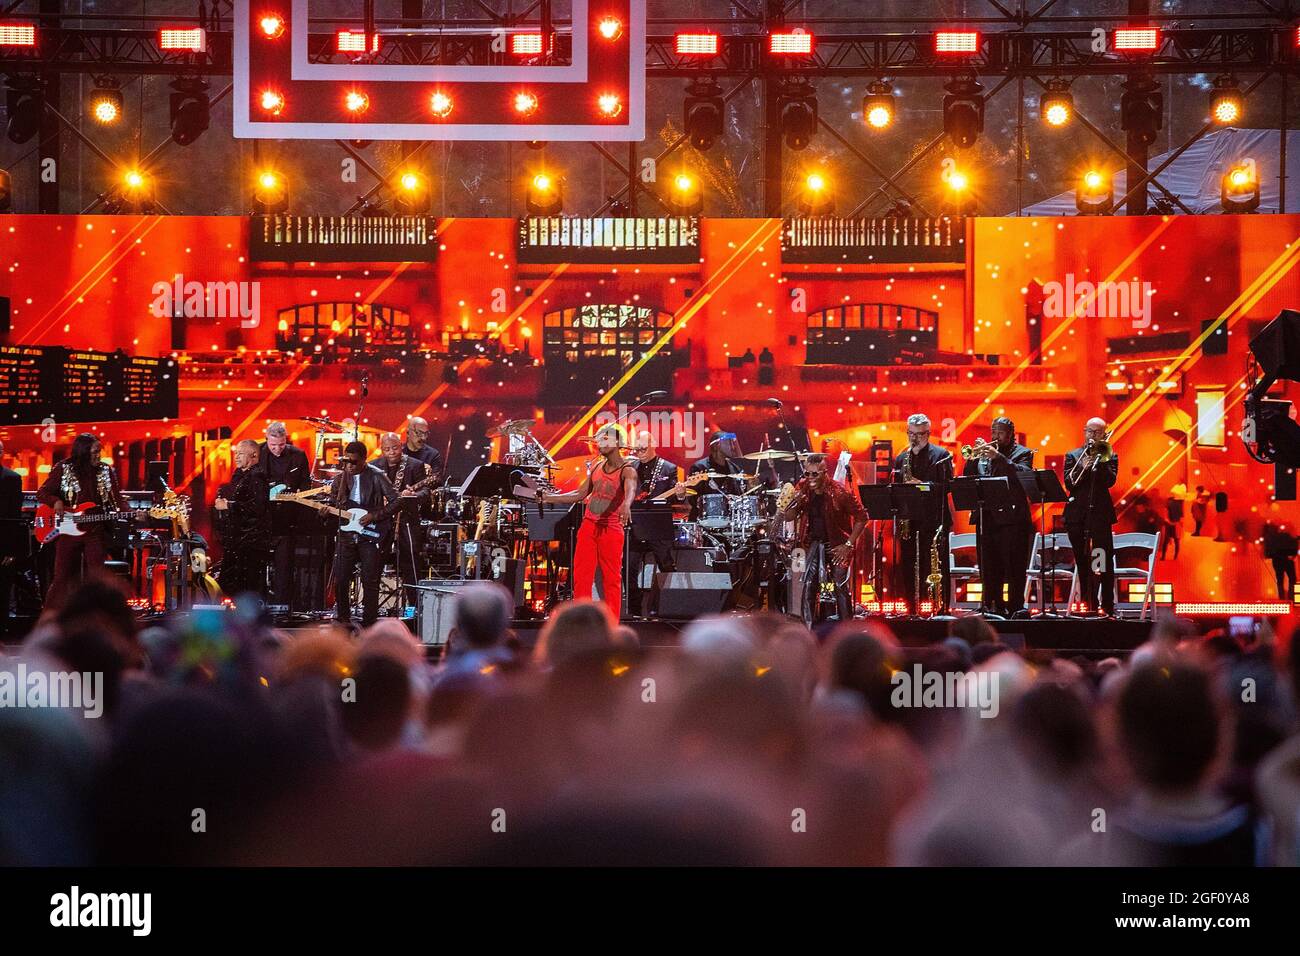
(1144, 541)
(1057, 542)
(964, 541)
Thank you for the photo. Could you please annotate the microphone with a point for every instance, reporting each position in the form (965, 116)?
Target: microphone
(654, 396)
(774, 402)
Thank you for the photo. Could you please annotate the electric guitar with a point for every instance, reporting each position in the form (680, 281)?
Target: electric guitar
(353, 516)
(690, 481)
(49, 524)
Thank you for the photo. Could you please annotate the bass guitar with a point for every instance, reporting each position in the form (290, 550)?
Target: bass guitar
(50, 524)
(352, 516)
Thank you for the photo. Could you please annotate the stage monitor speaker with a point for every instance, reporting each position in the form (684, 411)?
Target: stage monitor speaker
(1277, 346)
(435, 608)
(5, 326)
(688, 594)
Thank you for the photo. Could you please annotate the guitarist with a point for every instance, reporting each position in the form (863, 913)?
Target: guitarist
(243, 509)
(360, 486)
(283, 464)
(403, 471)
(80, 479)
(654, 476)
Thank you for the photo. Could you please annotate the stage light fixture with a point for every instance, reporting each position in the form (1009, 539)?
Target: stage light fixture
(963, 111)
(413, 195)
(611, 28)
(545, 198)
(960, 192)
(1141, 109)
(798, 113)
(1095, 194)
(354, 41)
(25, 104)
(816, 197)
(189, 109)
(878, 105)
(183, 39)
(686, 198)
(527, 44)
(105, 105)
(272, 102)
(609, 105)
(271, 25)
(1226, 102)
(793, 43)
(959, 42)
(1269, 433)
(270, 193)
(440, 105)
(1057, 104)
(696, 44)
(702, 113)
(1239, 188)
(6, 191)
(525, 103)
(17, 34)
(1136, 39)
(356, 102)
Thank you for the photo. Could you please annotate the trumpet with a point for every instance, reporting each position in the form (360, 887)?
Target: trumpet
(976, 450)
(1093, 452)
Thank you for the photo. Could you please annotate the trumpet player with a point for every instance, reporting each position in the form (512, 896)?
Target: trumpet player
(922, 462)
(1005, 542)
(1090, 471)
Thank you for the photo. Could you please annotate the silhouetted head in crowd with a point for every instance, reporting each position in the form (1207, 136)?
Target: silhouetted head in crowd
(577, 627)
(483, 612)
(1054, 729)
(99, 603)
(1170, 726)
(973, 629)
(375, 716)
(865, 662)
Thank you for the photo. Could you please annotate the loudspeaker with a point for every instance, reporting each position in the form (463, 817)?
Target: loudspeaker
(1221, 502)
(688, 594)
(435, 608)
(4, 314)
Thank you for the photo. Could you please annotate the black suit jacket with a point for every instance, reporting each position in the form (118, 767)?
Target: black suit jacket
(11, 494)
(934, 465)
(376, 492)
(299, 477)
(1018, 459)
(1093, 486)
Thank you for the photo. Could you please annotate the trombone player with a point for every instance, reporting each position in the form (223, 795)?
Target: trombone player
(1090, 471)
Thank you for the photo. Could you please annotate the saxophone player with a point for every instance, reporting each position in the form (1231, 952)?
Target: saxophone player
(1005, 543)
(920, 463)
(1090, 471)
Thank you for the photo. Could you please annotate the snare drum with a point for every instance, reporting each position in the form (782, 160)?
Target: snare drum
(713, 511)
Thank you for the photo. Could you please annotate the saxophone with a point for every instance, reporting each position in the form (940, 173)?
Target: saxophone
(935, 578)
(904, 524)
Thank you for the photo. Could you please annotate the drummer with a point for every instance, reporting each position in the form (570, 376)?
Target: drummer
(724, 459)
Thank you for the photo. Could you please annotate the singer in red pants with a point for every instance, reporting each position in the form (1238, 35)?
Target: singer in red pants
(608, 490)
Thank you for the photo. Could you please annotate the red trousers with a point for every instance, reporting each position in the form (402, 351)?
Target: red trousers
(68, 553)
(600, 544)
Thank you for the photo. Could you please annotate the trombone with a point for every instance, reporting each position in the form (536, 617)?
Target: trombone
(1093, 452)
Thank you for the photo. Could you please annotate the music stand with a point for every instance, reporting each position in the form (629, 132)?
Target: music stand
(495, 480)
(890, 502)
(973, 493)
(1042, 487)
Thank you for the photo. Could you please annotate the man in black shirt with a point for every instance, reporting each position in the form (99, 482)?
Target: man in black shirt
(403, 471)
(1008, 534)
(655, 476)
(923, 463)
(283, 467)
(417, 446)
(1090, 518)
(360, 486)
(243, 520)
(13, 536)
(724, 450)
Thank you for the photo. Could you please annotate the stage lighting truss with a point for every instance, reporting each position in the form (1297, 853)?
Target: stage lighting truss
(702, 113)
(798, 106)
(1095, 193)
(1226, 102)
(963, 111)
(1057, 105)
(105, 105)
(878, 105)
(1239, 188)
(597, 95)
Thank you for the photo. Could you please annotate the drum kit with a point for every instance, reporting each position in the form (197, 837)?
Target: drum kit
(734, 522)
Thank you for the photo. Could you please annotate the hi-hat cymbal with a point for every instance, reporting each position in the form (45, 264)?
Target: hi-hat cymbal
(770, 454)
(511, 427)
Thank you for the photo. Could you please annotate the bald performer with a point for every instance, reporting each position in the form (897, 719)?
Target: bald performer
(417, 446)
(1090, 518)
(403, 470)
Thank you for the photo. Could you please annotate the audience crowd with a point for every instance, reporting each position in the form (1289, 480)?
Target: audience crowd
(753, 741)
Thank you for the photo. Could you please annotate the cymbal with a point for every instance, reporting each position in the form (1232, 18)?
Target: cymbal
(511, 427)
(770, 454)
